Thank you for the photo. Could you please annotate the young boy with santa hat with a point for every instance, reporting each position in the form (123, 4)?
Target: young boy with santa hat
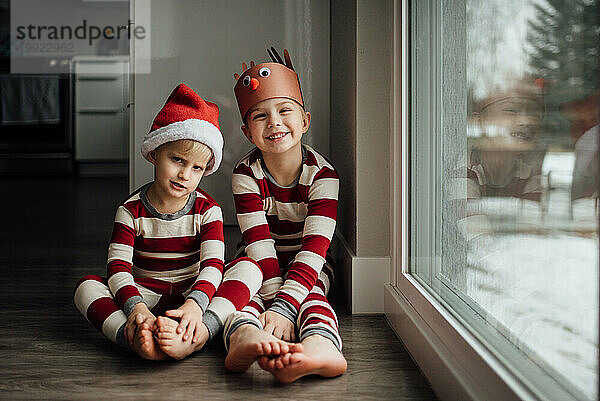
(166, 252)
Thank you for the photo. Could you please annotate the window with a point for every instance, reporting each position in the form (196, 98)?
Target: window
(504, 173)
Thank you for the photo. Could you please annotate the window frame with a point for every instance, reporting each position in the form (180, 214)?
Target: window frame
(455, 358)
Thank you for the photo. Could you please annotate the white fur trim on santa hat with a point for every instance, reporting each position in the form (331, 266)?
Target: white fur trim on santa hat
(194, 129)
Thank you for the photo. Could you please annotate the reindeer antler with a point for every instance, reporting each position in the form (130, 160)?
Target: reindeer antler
(244, 68)
(277, 58)
(288, 60)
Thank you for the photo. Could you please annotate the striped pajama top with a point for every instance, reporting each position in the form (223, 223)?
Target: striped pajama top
(286, 229)
(167, 253)
(465, 186)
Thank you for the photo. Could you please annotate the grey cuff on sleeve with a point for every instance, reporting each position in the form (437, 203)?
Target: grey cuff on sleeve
(200, 298)
(285, 309)
(131, 303)
(213, 323)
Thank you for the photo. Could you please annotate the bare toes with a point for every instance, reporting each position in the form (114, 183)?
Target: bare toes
(141, 339)
(264, 349)
(263, 362)
(275, 348)
(166, 323)
(285, 359)
(295, 347)
(165, 335)
(296, 357)
(284, 348)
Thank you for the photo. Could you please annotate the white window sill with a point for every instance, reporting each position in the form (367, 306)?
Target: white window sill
(457, 365)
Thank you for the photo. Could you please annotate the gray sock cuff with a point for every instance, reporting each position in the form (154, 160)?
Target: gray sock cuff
(212, 322)
(285, 309)
(121, 340)
(236, 325)
(323, 333)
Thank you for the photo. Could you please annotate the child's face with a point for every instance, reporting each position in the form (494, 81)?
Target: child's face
(177, 173)
(512, 122)
(276, 125)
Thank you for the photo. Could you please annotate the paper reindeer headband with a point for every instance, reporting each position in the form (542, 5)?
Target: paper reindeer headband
(266, 81)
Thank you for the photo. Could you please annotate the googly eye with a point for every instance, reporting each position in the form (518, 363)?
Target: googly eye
(264, 72)
(246, 80)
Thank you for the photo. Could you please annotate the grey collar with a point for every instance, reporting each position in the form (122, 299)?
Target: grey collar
(270, 177)
(166, 216)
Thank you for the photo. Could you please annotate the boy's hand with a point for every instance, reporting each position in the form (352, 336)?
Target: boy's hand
(279, 326)
(139, 315)
(190, 315)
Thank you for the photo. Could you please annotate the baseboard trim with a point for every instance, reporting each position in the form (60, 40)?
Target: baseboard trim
(362, 278)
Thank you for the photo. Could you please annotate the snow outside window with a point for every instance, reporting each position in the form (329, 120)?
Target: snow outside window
(505, 179)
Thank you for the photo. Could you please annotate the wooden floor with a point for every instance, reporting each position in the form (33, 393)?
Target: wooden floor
(54, 232)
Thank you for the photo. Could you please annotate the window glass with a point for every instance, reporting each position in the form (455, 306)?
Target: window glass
(505, 176)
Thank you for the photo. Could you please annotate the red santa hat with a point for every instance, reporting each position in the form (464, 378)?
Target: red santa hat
(186, 115)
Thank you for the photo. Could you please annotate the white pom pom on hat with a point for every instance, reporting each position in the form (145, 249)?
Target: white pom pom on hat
(186, 115)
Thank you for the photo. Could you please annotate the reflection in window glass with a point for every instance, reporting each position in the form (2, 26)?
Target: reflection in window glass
(519, 200)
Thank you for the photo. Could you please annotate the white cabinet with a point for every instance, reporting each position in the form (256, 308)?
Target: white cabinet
(100, 107)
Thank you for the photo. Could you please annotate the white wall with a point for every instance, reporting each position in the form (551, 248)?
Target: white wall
(202, 43)
(361, 132)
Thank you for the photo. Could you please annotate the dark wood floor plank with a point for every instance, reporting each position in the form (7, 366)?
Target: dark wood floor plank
(50, 352)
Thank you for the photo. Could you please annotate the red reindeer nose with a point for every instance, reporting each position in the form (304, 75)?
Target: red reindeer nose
(254, 84)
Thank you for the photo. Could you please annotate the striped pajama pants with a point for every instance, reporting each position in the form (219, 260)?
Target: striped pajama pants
(242, 279)
(316, 316)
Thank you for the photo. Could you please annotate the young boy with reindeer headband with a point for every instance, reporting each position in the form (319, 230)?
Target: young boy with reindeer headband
(286, 201)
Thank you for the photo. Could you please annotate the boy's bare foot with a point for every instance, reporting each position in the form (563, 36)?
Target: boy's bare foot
(144, 345)
(172, 343)
(319, 357)
(248, 343)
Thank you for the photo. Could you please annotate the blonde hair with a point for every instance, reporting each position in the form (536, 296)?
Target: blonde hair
(188, 146)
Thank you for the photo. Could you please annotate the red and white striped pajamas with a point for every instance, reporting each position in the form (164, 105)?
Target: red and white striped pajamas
(467, 186)
(287, 230)
(163, 259)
